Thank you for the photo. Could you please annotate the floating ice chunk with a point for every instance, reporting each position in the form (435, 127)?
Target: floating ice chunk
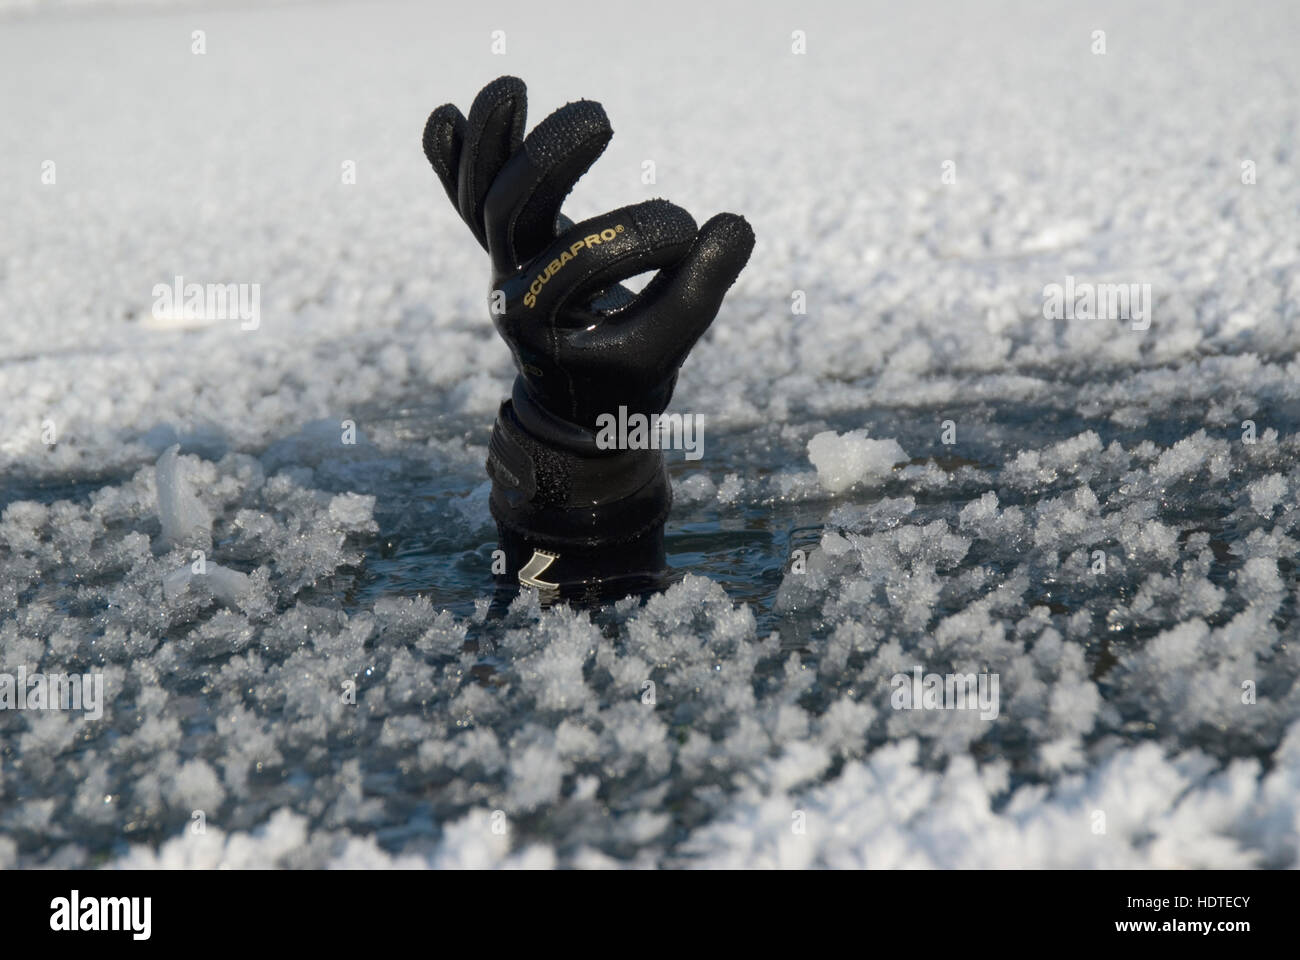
(694, 488)
(1259, 581)
(182, 514)
(801, 762)
(1033, 468)
(195, 787)
(885, 513)
(795, 486)
(20, 525)
(834, 544)
(1179, 647)
(1151, 538)
(353, 511)
(535, 777)
(477, 841)
(1069, 455)
(845, 459)
(1266, 492)
(979, 510)
(228, 586)
(1187, 456)
(731, 488)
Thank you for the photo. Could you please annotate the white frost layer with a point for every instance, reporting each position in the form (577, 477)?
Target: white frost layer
(1137, 810)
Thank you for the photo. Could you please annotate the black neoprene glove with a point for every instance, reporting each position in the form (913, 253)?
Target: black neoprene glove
(583, 343)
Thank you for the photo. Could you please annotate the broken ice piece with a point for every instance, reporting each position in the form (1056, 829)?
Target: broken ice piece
(182, 514)
(226, 585)
(845, 459)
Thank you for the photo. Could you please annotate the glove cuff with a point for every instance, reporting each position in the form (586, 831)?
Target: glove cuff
(552, 485)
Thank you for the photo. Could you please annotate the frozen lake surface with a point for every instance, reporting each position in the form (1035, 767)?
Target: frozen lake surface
(1113, 531)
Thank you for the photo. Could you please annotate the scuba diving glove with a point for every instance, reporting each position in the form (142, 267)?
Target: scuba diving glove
(584, 345)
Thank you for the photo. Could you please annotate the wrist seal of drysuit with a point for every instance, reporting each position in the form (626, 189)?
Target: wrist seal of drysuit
(553, 484)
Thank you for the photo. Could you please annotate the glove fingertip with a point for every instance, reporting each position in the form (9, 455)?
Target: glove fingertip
(723, 247)
(730, 230)
(443, 133)
(580, 126)
(504, 91)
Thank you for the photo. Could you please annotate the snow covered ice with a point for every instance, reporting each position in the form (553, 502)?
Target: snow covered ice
(1113, 531)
